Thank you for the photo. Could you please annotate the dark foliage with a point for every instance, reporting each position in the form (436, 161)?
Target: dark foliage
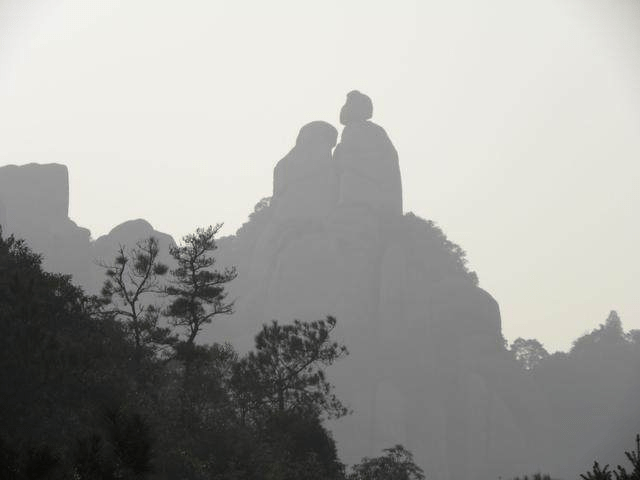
(286, 372)
(196, 288)
(96, 389)
(620, 473)
(57, 358)
(598, 473)
(303, 445)
(396, 464)
(87, 393)
(535, 476)
(447, 257)
(529, 353)
(129, 293)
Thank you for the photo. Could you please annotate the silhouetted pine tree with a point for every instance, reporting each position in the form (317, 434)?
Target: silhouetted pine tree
(396, 464)
(634, 458)
(197, 289)
(620, 473)
(132, 278)
(597, 473)
(286, 373)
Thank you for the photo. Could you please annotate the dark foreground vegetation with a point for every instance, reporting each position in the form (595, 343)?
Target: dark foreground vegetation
(117, 386)
(620, 472)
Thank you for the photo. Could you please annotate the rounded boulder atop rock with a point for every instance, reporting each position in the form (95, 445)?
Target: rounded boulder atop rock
(367, 160)
(358, 108)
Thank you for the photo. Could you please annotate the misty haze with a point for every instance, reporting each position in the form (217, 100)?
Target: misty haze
(295, 284)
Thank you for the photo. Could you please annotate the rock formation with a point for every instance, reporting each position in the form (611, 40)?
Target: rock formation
(128, 234)
(427, 367)
(305, 181)
(367, 160)
(34, 205)
(425, 340)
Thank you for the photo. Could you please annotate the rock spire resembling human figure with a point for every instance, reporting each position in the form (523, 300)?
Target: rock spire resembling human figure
(305, 180)
(367, 160)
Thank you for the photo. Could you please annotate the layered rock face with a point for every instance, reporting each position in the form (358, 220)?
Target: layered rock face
(427, 365)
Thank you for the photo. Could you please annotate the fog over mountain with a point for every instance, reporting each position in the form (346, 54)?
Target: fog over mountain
(428, 367)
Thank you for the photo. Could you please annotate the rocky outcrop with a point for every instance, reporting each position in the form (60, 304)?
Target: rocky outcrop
(305, 182)
(36, 208)
(35, 193)
(428, 367)
(128, 234)
(367, 160)
(425, 340)
(34, 205)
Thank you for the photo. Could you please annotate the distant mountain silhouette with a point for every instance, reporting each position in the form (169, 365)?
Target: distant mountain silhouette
(35, 201)
(428, 367)
(34, 205)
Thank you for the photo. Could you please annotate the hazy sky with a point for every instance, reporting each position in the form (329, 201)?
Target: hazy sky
(517, 124)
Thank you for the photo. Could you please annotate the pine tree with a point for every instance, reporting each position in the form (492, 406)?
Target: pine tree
(634, 458)
(286, 373)
(597, 473)
(198, 290)
(132, 281)
(397, 463)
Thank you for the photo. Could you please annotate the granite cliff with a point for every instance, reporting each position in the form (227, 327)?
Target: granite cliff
(427, 361)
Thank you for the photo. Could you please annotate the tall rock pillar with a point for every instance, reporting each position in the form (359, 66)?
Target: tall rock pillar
(367, 160)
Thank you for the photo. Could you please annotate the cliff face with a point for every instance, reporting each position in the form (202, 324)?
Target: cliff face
(36, 192)
(36, 208)
(425, 340)
(34, 205)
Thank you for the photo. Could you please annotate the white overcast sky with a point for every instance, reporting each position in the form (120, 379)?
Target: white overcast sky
(517, 124)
